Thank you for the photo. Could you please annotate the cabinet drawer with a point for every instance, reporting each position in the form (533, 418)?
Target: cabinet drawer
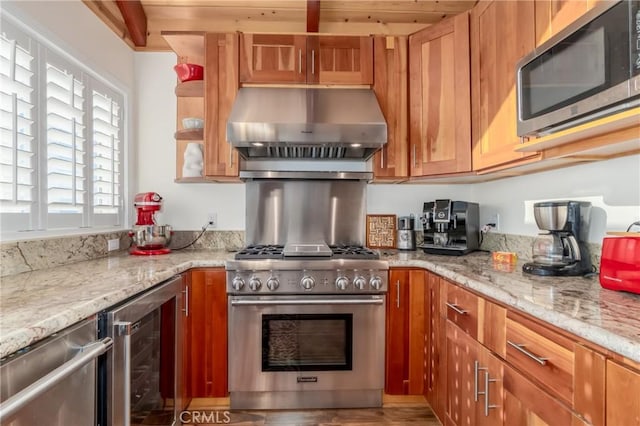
(541, 354)
(461, 307)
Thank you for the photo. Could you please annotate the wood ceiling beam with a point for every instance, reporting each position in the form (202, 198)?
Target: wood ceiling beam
(135, 19)
(313, 16)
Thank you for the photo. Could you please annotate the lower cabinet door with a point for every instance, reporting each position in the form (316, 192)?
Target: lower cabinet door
(462, 377)
(208, 333)
(525, 404)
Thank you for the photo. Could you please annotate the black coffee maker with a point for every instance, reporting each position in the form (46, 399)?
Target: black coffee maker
(562, 251)
(450, 227)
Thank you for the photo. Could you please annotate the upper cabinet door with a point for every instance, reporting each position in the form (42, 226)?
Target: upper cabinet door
(339, 60)
(221, 87)
(501, 33)
(552, 16)
(439, 96)
(269, 58)
(390, 86)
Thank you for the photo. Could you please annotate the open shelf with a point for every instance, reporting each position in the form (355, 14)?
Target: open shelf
(190, 134)
(190, 89)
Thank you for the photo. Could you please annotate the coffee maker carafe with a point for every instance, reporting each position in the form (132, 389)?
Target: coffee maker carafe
(562, 251)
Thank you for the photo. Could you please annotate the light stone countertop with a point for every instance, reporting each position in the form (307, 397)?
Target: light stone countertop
(34, 305)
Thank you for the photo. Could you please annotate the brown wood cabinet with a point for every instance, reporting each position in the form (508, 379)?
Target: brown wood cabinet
(552, 16)
(221, 87)
(207, 356)
(404, 358)
(186, 342)
(501, 33)
(390, 86)
(210, 99)
(435, 366)
(623, 390)
(439, 95)
(282, 58)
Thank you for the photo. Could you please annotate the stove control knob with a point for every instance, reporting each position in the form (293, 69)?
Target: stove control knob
(307, 282)
(359, 282)
(273, 283)
(342, 283)
(376, 283)
(237, 283)
(255, 284)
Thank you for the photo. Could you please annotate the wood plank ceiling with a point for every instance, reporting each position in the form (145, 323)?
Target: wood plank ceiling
(132, 19)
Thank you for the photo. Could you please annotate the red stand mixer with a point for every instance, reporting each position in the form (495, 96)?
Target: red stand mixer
(149, 238)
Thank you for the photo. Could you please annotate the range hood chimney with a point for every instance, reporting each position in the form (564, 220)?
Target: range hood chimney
(306, 123)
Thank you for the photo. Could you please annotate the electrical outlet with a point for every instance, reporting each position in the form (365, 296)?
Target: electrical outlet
(212, 219)
(113, 244)
(495, 219)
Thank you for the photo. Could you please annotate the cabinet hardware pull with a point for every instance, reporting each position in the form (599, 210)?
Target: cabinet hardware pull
(86, 354)
(456, 308)
(370, 301)
(313, 61)
(487, 380)
(186, 301)
(231, 157)
(414, 156)
(522, 348)
(398, 294)
(476, 370)
(299, 61)
(382, 158)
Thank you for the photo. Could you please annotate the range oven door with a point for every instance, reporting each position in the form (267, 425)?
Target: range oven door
(306, 343)
(140, 379)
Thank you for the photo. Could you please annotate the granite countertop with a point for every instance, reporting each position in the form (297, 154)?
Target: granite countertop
(34, 305)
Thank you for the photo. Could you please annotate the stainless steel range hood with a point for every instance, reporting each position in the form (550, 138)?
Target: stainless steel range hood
(306, 123)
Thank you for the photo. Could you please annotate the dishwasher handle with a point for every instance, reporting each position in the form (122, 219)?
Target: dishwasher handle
(87, 353)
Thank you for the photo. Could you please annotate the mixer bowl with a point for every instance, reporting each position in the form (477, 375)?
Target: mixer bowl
(151, 237)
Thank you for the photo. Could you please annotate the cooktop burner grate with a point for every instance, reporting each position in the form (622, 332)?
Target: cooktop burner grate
(276, 251)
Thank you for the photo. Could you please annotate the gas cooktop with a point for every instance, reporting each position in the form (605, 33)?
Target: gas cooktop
(277, 251)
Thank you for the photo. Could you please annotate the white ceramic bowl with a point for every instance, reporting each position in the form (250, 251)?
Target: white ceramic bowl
(192, 123)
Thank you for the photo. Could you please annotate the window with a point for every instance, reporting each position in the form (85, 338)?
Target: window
(61, 152)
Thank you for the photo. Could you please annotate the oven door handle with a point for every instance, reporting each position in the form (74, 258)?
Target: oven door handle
(238, 302)
(86, 354)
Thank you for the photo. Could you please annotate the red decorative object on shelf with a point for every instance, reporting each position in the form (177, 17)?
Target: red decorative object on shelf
(189, 72)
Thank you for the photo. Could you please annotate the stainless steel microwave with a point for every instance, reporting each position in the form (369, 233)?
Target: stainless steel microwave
(588, 70)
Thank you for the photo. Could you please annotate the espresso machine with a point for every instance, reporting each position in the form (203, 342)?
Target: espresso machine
(450, 227)
(562, 250)
(406, 238)
(149, 238)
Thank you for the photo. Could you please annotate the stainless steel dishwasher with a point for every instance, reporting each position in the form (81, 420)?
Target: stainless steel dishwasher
(53, 382)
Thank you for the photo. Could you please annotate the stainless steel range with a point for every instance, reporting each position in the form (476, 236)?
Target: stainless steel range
(306, 318)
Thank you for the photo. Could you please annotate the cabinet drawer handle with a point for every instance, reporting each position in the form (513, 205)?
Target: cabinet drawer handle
(313, 62)
(299, 61)
(476, 371)
(487, 380)
(186, 301)
(398, 294)
(522, 348)
(456, 308)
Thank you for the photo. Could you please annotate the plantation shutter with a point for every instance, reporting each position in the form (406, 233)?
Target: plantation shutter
(18, 129)
(66, 147)
(107, 155)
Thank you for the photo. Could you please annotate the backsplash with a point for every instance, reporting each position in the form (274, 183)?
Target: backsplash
(33, 255)
(521, 245)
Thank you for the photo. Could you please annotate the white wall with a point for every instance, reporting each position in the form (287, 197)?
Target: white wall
(612, 186)
(186, 206)
(616, 182)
